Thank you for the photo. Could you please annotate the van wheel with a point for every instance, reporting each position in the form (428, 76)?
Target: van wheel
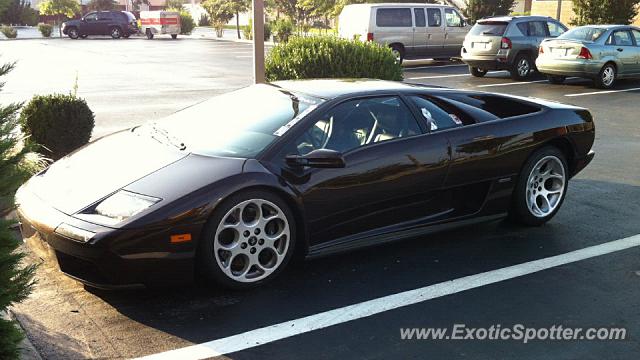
(115, 32)
(477, 72)
(149, 34)
(521, 68)
(556, 79)
(398, 52)
(174, 36)
(607, 77)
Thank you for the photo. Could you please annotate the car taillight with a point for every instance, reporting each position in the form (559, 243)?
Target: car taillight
(369, 36)
(585, 54)
(505, 43)
(541, 50)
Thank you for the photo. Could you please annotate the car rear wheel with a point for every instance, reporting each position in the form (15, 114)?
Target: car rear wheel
(541, 188)
(73, 33)
(115, 32)
(149, 34)
(248, 241)
(174, 36)
(398, 52)
(522, 67)
(477, 72)
(556, 79)
(607, 77)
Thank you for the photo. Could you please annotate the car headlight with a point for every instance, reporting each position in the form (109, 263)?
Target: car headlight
(119, 207)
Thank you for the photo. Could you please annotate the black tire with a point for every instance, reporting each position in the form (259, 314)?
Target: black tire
(477, 72)
(518, 71)
(207, 261)
(174, 36)
(520, 212)
(115, 32)
(149, 34)
(73, 33)
(556, 79)
(603, 81)
(398, 50)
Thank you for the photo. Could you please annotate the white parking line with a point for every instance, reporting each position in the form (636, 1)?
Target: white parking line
(325, 319)
(602, 92)
(244, 56)
(447, 76)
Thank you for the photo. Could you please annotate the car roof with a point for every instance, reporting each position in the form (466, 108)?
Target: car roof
(511, 18)
(611, 26)
(399, 5)
(332, 88)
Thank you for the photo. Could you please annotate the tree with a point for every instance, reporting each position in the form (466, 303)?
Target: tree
(478, 9)
(101, 5)
(15, 282)
(220, 12)
(15, 11)
(174, 5)
(604, 11)
(60, 9)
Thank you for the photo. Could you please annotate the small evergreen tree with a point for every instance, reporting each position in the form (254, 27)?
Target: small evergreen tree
(478, 9)
(604, 11)
(15, 282)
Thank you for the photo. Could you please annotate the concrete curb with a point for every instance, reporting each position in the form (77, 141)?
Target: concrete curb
(27, 350)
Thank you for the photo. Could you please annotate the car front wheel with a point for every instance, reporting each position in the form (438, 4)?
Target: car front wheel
(248, 241)
(73, 33)
(115, 32)
(541, 188)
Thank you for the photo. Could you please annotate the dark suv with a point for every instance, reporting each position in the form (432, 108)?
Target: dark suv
(507, 43)
(115, 23)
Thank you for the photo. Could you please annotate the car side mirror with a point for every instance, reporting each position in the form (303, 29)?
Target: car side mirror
(320, 158)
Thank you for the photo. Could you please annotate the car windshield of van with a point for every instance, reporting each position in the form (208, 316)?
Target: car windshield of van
(492, 28)
(583, 34)
(240, 124)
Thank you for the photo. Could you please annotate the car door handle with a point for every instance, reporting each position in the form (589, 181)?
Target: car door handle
(620, 49)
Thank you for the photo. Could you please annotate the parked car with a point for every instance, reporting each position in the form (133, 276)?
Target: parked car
(160, 22)
(411, 30)
(311, 167)
(603, 53)
(115, 23)
(507, 43)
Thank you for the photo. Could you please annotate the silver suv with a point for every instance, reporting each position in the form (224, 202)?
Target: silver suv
(507, 43)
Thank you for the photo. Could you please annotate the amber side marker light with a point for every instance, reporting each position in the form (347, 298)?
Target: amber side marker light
(180, 238)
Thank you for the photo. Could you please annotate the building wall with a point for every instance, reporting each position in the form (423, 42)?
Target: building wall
(550, 7)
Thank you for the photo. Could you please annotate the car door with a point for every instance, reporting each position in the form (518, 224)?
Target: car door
(636, 38)
(419, 31)
(455, 31)
(621, 43)
(393, 172)
(104, 21)
(88, 25)
(435, 32)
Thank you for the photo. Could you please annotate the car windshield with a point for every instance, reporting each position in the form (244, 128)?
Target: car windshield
(583, 34)
(241, 123)
(489, 28)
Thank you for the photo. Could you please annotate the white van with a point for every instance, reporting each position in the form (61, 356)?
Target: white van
(411, 30)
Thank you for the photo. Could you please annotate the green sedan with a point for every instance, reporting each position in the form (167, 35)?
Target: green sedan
(603, 53)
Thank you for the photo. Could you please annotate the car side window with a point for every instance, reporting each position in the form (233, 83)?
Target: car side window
(436, 117)
(453, 18)
(621, 38)
(359, 122)
(420, 19)
(400, 17)
(636, 35)
(524, 28)
(104, 16)
(537, 29)
(555, 29)
(91, 17)
(435, 17)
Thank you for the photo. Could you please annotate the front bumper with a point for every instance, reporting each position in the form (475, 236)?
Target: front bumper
(568, 67)
(113, 258)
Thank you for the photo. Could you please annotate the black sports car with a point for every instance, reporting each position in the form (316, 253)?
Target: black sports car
(233, 187)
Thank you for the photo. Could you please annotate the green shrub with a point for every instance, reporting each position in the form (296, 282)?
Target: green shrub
(331, 57)
(9, 31)
(186, 23)
(59, 123)
(45, 29)
(282, 29)
(247, 31)
(204, 20)
(30, 16)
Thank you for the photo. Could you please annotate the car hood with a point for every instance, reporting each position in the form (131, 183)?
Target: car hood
(101, 168)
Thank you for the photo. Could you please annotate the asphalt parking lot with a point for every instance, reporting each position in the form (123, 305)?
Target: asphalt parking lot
(353, 305)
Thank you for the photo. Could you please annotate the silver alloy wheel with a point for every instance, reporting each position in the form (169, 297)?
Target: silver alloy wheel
(523, 67)
(396, 54)
(115, 32)
(608, 75)
(251, 241)
(545, 186)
